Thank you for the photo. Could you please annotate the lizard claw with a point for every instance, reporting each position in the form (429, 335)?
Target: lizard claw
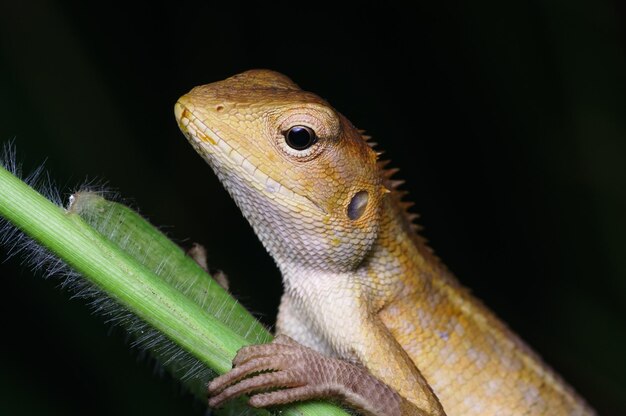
(282, 364)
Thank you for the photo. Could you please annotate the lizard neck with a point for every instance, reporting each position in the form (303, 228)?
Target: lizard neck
(398, 264)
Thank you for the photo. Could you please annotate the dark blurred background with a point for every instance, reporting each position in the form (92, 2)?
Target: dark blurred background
(507, 119)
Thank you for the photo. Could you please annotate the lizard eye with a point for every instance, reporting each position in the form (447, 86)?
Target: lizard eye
(300, 137)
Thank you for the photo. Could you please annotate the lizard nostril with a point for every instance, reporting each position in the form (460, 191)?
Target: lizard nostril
(219, 108)
(357, 205)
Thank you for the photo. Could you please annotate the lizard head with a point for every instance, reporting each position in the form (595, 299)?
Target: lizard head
(300, 172)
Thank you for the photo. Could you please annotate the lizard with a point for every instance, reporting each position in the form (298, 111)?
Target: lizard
(369, 315)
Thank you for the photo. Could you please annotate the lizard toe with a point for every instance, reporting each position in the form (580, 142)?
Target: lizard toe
(241, 372)
(262, 350)
(285, 396)
(265, 381)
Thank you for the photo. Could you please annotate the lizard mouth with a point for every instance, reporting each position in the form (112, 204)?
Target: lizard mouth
(211, 146)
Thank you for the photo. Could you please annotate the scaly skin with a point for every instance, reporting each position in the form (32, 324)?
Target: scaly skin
(362, 289)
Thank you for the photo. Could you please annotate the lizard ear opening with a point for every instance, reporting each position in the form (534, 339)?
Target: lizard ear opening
(357, 205)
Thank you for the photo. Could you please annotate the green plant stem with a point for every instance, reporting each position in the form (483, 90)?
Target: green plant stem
(127, 281)
(133, 234)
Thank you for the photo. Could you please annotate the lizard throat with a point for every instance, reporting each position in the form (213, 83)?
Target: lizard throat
(222, 157)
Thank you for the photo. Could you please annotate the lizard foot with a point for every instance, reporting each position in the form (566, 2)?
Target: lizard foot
(198, 253)
(284, 371)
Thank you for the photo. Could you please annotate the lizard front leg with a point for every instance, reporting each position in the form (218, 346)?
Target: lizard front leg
(384, 383)
(301, 374)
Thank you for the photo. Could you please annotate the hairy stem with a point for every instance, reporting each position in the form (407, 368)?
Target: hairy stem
(132, 284)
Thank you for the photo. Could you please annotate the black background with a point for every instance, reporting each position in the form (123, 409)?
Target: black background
(507, 120)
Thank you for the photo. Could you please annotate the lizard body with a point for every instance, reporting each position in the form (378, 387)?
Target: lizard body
(377, 318)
